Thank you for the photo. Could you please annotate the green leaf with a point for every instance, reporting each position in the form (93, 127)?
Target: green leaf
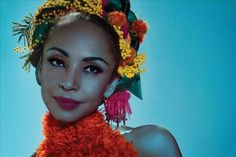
(24, 29)
(20, 38)
(16, 33)
(25, 56)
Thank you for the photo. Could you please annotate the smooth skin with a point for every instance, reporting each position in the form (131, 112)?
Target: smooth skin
(153, 141)
(80, 55)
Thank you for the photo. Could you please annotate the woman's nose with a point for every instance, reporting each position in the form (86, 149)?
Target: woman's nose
(71, 81)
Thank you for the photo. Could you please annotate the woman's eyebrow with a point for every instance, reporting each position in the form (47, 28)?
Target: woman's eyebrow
(94, 59)
(59, 50)
(86, 59)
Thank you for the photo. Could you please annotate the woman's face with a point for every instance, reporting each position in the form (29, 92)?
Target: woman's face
(78, 63)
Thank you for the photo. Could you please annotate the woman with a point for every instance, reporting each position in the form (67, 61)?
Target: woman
(85, 54)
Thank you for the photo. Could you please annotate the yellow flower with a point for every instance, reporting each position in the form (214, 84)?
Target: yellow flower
(20, 49)
(130, 71)
(16, 49)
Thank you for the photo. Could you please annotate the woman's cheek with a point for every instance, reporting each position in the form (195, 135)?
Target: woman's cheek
(50, 80)
(94, 87)
(52, 74)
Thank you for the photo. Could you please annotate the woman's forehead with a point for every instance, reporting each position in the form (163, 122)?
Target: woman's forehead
(81, 29)
(81, 36)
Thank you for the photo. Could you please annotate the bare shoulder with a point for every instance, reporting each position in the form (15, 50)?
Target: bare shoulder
(153, 140)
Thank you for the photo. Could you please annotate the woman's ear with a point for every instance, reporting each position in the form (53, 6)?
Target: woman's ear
(111, 87)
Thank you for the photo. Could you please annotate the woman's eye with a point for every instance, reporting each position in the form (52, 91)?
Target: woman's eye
(56, 62)
(93, 69)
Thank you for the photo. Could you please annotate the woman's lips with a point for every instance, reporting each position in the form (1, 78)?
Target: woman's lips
(67, 104)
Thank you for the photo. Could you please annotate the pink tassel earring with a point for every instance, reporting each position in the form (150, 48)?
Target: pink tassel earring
(117, 106)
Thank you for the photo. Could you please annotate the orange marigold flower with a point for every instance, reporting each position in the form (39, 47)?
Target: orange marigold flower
(139, 27)
(117, 18)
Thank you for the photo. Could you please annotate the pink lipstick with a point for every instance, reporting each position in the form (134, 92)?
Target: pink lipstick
(66, 103)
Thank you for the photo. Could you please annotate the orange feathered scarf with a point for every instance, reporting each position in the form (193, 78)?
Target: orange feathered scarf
(89, 137)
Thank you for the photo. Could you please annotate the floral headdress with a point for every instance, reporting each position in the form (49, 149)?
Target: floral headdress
(117, 13)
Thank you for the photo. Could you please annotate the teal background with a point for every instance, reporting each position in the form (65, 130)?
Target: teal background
(189, 86)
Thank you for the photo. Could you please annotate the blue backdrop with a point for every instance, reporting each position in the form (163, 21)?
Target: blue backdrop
(189, 87)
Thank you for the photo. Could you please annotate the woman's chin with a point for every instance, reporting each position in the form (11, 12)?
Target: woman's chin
(65, 116)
